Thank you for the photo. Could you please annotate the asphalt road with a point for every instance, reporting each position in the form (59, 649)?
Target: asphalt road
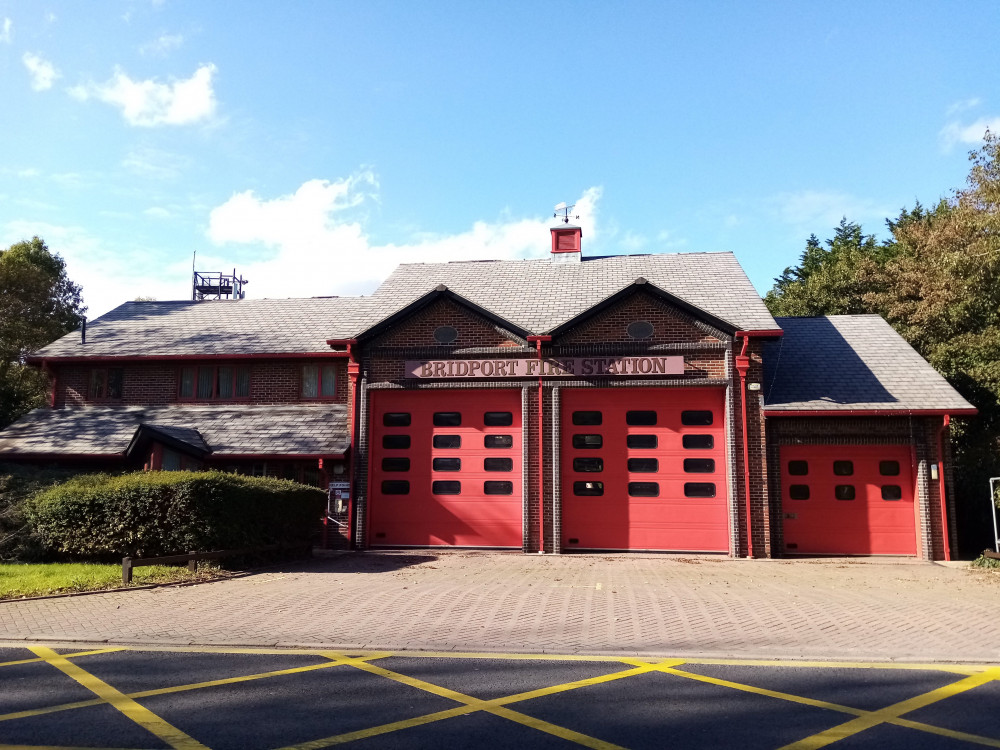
(76, 696)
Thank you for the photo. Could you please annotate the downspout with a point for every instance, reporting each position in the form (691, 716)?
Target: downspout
(541, 430)
(742, 367)
(353, 371)
(944, 507)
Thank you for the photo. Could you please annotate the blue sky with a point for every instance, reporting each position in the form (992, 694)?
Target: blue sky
(313, 146)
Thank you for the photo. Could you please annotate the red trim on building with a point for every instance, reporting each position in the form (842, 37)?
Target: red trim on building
(188, 357)
(868, 412)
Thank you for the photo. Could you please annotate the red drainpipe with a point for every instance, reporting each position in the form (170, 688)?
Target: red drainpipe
(944, 510)
(538, 340)
(742, 367)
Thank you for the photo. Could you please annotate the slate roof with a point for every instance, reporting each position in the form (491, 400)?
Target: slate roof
(847, 363)
(313, 429)
(248, 326)
(538, 295)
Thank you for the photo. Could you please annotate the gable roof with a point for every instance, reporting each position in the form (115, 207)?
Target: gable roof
(642, 286)
(438, 293)
(218, 430)
(216, 327)
(848, 363)
(539, 295)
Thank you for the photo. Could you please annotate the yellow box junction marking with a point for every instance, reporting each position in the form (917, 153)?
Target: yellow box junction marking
(137, 713)
(974, 676)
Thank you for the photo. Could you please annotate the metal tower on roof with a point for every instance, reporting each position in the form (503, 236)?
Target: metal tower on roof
(216, 284)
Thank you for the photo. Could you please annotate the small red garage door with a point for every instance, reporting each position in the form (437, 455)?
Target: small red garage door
(848, 500)
(445, 468)
(644, 469)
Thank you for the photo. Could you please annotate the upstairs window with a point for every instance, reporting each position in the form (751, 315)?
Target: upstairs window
(215, 383)
(318, 381)
(106, 384)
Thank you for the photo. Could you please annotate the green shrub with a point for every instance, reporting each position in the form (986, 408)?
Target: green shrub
(18, 482)
(149, 514)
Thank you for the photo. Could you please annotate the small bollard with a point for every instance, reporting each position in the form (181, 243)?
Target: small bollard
(126, 570)
(192, 563)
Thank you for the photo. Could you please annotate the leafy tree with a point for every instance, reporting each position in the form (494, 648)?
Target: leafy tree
(830, 280)
(38, 304)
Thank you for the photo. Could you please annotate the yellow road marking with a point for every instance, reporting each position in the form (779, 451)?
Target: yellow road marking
(953, 734)
(38, 659)
(496, 706)
(137, 713)
(179, 688)
(887, 714)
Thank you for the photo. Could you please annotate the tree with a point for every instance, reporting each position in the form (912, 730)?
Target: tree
(831, 280)
(38, 304)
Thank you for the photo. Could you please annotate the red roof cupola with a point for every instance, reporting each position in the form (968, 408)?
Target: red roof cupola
(566, 243)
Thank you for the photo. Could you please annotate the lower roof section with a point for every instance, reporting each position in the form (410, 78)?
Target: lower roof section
(219, 431)
(851, 365)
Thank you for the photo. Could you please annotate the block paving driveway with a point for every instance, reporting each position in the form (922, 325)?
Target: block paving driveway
(653, 605)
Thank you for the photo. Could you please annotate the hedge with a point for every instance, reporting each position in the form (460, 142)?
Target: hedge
(18, 483)
(149, 514)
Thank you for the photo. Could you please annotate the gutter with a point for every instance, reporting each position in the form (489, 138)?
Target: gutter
(964, 411)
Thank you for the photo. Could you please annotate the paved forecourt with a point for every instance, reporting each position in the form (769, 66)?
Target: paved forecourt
(611, 604)
(61, 696)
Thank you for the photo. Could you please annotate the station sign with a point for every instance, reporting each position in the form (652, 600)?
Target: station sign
(547, 367)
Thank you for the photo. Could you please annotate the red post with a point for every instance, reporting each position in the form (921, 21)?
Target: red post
(743, 366)
(944, 506)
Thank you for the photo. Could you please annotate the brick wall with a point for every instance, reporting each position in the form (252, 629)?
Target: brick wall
(156, 383)
(670, 325)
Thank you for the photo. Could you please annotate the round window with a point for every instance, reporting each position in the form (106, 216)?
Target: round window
(445, 334)
(640, 329)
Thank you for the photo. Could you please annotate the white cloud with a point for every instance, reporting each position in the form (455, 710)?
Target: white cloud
(6, 31)
(107, 275)
(970, 134)
(155, 164)
(148, 103)
(316, 249)
(43, 73)
(162, 45)
(817, 210)
(157, 212)
(963, 105)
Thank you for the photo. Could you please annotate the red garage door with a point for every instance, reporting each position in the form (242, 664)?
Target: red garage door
(644, 469)
(848, 500)
(445, 468)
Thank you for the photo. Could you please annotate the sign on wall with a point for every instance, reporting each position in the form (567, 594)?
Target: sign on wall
(548, 367)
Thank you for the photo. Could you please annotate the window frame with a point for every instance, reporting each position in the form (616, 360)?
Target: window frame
(320, 380)
(214, 368)
(101, 392)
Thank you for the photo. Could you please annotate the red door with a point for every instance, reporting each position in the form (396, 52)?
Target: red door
(848, 500)
(644, 469)
(445, 468)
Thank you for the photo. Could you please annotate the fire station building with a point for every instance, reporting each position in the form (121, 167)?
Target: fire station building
(643, 402)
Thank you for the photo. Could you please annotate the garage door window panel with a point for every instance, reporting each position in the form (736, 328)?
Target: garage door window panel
(588, 442)
(395, 487)
(587, 418)
(447, 464)
(447, 419)
(640, 418)
(644, 465)
(643, 489)
(697, 418)
(498, 464)
(396, 419)
(698, 442)
(844, 492)
(888, 468)
(396, 442)
(447, 441)
(588, 489)
(641, 442)
(498, 441)
(588, 464)
(498, 419)
(798, 468)
(843, 468)
(446, 488)
(892, 492)
(699, 489)
(798, 491)
(699, 465)
(492, 487)
(395, 464)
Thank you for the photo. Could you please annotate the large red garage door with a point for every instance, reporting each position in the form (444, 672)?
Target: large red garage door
(848, 500)
(445, 468)
(644, 469)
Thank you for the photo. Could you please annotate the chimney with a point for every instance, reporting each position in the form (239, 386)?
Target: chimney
(83, 330)
(566, 243)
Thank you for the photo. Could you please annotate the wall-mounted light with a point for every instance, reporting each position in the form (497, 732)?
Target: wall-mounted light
(338, 468)
(753, 386)
(934, 471)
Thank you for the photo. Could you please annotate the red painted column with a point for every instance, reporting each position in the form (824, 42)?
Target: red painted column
(742, 367)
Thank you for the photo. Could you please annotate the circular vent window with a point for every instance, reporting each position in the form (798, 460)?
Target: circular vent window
(640, 329)
(445, 334)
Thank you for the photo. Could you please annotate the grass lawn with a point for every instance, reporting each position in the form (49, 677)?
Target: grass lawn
(17, 580)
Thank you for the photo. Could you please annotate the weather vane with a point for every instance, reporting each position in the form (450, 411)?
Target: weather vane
(563, 210)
